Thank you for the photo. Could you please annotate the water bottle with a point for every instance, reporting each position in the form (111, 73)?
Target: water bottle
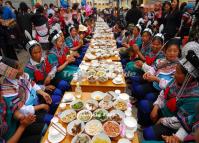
(78, 91)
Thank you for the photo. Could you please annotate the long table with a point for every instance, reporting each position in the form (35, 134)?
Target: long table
(68, 138)
(104, 87)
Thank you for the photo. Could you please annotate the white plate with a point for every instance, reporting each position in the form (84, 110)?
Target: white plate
(81, 112)
(131, 123)
(117, 112)
(66, 113)
(102, 136)
(68, 97)
(74, 140)
(93, 127)
(98, 95)
(93, 102)
(109, 104)
(115, 82)
(55, 138)
(75, 102)
(71, 124)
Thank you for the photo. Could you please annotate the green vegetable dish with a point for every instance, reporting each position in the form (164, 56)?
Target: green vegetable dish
(101, 114)
(77, 105)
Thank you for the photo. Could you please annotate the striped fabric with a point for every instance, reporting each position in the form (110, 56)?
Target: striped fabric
(8, 71)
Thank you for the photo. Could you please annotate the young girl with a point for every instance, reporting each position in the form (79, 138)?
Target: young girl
(159, 75)
(41, 71)
(60, 57)
(176, 104)
(72, 41)
(152, 54)
(146, 41)
(136, 36)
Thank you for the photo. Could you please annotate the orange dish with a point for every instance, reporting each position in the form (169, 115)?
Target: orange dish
(112, 128)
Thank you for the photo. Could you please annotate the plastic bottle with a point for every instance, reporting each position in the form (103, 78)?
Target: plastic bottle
(78, 91)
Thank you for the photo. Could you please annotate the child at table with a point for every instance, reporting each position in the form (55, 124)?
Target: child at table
(145, 48)
(153, 53)
(60, 57)
(42, 72)
(72, 41)
(175, 106)
(158, 76)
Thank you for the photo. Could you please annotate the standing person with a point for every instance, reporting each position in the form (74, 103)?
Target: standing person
(172, 21)
(40, 23)
(9, 4)
(24, 21)
(133, 14)
(186, 21)
(166, 11)
(51, 10)
(7, 37)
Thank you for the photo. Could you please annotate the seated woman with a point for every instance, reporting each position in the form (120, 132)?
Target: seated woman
(27, 130)
(127, 54)
(175, 106)
(72, 41)
(60, 57)
(20, 97)
(146, 41)
(41, 71)
(149, 55)
(158, 76)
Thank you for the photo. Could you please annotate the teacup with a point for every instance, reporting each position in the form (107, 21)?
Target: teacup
(62, 106)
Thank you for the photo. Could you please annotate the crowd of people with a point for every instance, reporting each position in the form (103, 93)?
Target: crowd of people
(56, 41)
(158, 50)
(157, 60)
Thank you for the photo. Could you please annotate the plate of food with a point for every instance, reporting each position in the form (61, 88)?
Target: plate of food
(112, 129)
(106, 104)
(93, 127)
(75, 127)
(101, 138)
(118, 80)
(110, 95)
(77, 105)
(101, 114)
(67, 115)
(98, 95)
(92, 78)
(116, 115)
(84, 115)
(81, 138)
(103, 79)
(54, 135)
(120, 105)
(91, 104)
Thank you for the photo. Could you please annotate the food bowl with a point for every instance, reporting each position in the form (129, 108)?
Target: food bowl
(92, 79)
(112, 129)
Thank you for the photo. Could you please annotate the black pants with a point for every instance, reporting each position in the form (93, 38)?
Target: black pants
(33, 133)
(8, 43)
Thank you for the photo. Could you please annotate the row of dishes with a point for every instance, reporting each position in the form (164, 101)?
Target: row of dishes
(101, 71)
(99, 118)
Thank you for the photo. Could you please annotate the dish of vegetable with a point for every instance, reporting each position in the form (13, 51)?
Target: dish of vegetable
(101, 114)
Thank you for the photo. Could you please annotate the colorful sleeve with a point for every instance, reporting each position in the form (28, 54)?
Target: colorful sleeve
(30, 72)
(69, 42)
(139, 42)
(52, 58)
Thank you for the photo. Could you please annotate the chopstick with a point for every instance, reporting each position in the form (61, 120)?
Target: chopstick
(60, 130)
